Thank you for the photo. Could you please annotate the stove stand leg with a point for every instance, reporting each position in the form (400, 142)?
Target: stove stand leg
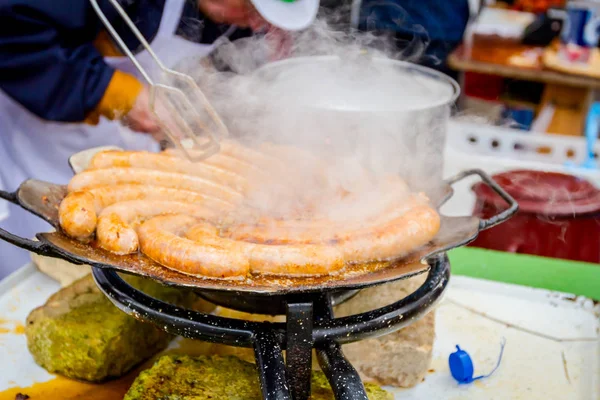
(270, 366)
(299, 344)
(342, 376)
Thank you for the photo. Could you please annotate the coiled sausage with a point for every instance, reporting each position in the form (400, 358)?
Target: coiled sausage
(203, 252)
(285, 260)
(160, 240)
(116, 224)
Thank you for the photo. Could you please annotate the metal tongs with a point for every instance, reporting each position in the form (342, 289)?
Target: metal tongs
(180, 117)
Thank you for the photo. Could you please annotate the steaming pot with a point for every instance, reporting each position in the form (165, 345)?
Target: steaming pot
(559, 216)
(394, 113)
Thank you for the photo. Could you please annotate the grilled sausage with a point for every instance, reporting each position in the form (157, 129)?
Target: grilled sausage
(398, 239)
(159, 240)
(304, 231)
(219, 160)
(108, 195)
(295, 260)
(237, 151)
(204, 253)
(293, 156)
(113, 176)
(248, 154)
(231, 163)
(265, 259)
(392, 239)
(163, 162)
(116, 224)
(77, 215)
(79, 210)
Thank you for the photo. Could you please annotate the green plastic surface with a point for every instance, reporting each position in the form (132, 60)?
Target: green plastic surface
(573, 277)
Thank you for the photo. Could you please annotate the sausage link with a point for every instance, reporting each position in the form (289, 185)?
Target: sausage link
(159, 240)
(107, 195)
(219, 160)
(294, 157)
(269, 230)
(163, 162)
(245, 153)
(77, 215)
(78, 211)
(285, 260)
(398, 239)
(295, 260)
(242, 154)
(116, 224)
(392, 239)
(231, 163)
(113, 176)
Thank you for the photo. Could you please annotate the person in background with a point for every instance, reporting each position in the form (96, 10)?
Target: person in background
(66, 87)
(423, 31)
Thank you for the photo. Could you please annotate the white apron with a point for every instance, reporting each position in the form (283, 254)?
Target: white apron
(34, 148)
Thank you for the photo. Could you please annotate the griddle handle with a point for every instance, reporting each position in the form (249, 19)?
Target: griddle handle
(27, 244)
(498, 218)
(8, 196)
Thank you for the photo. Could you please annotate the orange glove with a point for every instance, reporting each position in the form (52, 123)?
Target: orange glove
(119, 98)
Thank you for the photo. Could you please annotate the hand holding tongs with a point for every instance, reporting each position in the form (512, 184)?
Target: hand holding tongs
(177, 115)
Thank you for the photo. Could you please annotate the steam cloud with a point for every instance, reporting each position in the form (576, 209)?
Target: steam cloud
(339, 98)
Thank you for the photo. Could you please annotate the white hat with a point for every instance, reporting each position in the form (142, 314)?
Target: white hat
(289, 15)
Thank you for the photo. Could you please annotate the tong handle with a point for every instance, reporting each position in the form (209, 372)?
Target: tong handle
(498, 218)
(120, 41)
(27, 244)
(209, 149)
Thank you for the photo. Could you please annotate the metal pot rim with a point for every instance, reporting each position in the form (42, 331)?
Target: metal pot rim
(408, 66)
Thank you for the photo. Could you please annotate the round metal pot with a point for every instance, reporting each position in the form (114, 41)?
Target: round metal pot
(393, 113)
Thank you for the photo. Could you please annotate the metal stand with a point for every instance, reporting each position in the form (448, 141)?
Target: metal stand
(309, 324)
(299, 345)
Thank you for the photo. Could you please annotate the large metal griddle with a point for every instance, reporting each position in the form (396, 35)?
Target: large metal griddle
(43, 199)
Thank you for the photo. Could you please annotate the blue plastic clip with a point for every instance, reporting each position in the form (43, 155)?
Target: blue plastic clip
(461, 365)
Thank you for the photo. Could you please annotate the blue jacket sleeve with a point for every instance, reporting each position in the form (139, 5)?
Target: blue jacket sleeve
(425, 30)
(48, 62)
